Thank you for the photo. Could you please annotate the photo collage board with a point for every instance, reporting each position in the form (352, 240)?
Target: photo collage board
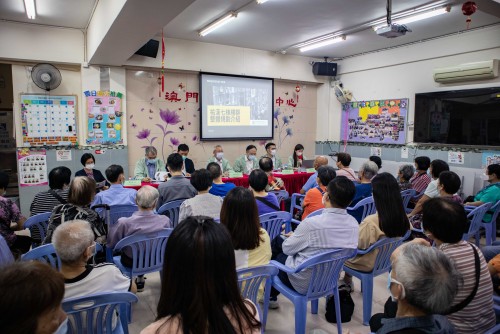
(32, 167)
(104, 115)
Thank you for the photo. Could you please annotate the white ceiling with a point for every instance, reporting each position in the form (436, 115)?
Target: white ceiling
(275, 25)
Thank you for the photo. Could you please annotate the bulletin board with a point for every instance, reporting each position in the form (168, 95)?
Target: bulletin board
(104, 113)
(377, 121)
(32, 167)
(49, 119)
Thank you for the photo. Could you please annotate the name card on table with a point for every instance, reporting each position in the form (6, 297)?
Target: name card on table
(287, 171)
(132, 183)
(235, 174)
(310, 170)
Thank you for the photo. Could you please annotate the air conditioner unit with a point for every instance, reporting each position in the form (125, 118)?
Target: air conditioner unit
(465, 72)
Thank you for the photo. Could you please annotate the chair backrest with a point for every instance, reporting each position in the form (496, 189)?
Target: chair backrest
(251, 279)
(45, 253)
(496, 210)
(6, 256)
(119, 211)
(280, 194)
(37, 225)
(384, 248)
(475, 218)
(407, 195)
(96, 313)
(367, 205)
(325, 270)
(171, 210)
(296, 202)
(272, 222)
(148, 250)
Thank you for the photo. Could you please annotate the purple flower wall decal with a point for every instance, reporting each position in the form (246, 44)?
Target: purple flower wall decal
(174, 141)
(143, 134)
(277, 112)
(169, 117)
(195, 138)
(289, 132)
(285, 119)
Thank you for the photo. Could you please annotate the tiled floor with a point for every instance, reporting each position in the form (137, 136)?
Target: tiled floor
(280, 321)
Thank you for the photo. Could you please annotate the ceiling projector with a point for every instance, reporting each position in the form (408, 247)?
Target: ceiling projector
(392, 30)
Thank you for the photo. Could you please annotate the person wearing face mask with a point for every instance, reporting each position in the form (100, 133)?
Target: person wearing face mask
(490, 193)
(116, 194)
(424, 283)
(37, 286)
(219, 159)
(271, 154)
(88, 162)
(247, 162)
(188, 167)
(147, 167)
(295, 160)
(314, 197)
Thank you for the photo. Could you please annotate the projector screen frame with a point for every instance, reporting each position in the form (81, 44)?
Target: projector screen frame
(235, 138)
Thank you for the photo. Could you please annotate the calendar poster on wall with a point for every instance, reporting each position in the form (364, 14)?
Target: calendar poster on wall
(49, 119)
(104, 115)
(32, 167)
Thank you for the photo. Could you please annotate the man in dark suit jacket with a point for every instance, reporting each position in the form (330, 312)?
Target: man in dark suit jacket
(183, 150)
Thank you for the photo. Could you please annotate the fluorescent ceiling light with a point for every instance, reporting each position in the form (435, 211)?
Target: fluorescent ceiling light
(30, 8)
(417, 17)
(320, 42)
(261, 1)
(218, 23)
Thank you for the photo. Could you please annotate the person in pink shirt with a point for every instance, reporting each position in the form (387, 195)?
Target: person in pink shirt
(343, 162)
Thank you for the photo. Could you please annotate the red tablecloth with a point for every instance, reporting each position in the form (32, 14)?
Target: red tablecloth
(152, 184)
(293, 182)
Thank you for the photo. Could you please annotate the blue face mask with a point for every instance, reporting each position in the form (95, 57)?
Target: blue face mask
(63, 327)
(151, 161)
(392, 280)
(184, 158)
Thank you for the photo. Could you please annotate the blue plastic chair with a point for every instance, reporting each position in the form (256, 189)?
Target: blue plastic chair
(6, 256)
(96, 313)
(171, 210)
(491, 227)
(281, 195)
(475, 216)
(45, 253)
(272, 222)
(384, 248)
(325, 270)
(415, 199)
(496, 307)
(407, 195)
(296, 204)
(367, 205)
(249, 282)
(37, 225)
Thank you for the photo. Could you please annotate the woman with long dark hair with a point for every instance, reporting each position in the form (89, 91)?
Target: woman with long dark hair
(199, 292)
(295, 160)
(389, 221)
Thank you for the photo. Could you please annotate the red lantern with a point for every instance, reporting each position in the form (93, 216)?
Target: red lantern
(297, 88)
(468, 9)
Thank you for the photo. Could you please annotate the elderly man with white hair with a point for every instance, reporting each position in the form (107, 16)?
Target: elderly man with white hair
(141, 222)
(364, 188)
(75, 245)
(218, 158)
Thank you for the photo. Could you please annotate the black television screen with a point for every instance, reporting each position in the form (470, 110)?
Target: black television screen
(458, 117)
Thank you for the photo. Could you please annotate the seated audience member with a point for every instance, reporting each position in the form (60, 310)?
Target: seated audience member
(266, 202)
(343, 162)
(390, 221)
(188, 167)
(274, 183)
(490, 193)
(88, 162)
(271, 154)
(142, 221)
(333, 229)
(314, 197)
(424, 283)
(247, 162)
(75, 245)
(31, 294)
(146, 168)
(9, 213)
(377, 160)
(445, 222)
(45, 201)
(177, 187)
(200, 291)
(420, 180)
(367, 171)
(218, 188)
(251, 243)
(437, 166)
(296, 159)
(81, 194)
(204, 203)
(405, 172)
(311, 182)
(219, 159)
(116, 194)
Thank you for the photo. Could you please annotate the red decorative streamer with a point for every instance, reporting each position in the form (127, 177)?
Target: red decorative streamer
(162, 62)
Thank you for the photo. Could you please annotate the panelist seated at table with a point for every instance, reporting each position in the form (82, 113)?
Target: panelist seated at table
(266, 202)
(296, 159)
(274, 183)
(116, 194)
(271, 154)
(146, 167)
(218, 188)
(188, 167)
(88, 162)
(218, 158)
(177, 187)
(247, 162)
(311, 182)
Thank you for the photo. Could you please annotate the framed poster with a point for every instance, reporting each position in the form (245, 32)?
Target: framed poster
(49, 119)
(377, 121)
(105, 117)
(32, 167)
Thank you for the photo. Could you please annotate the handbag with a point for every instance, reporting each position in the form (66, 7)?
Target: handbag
(346, 307)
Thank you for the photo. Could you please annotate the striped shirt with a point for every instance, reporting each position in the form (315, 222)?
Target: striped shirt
(478, 316)
(45, 201)
(419, 182)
